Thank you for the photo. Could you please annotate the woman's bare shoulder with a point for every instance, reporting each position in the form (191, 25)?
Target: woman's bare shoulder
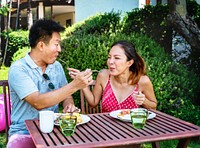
(144, 80)
(145, 83)
(103, 74)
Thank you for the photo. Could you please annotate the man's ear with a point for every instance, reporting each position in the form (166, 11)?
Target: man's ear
(40, 45)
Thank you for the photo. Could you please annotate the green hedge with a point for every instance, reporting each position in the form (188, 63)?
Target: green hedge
(150, 21)
(20, 53)
(174, 86)
(17, 40)
(99, 24)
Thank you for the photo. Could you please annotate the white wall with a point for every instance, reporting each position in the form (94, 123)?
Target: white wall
(142, 3)
(87, 8)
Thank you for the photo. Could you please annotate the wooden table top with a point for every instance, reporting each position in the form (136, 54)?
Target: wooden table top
(105, 131)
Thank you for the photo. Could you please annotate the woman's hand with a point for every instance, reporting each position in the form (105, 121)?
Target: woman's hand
(139, 98)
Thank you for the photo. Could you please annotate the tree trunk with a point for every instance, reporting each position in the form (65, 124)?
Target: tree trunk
(7, 30)
(183, 24)
(187, 28)
(18, 12)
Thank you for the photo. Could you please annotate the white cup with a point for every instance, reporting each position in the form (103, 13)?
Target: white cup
(46, 121)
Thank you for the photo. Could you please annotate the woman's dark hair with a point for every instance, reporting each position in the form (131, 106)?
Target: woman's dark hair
(42, 30)
(138, 68)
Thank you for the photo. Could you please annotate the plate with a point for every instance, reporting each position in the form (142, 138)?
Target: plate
(127, 117)
(85, 119)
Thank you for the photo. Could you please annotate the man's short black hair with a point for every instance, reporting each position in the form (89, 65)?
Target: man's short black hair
(42, 30)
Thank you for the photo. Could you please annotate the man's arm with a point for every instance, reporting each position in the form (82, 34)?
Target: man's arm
(40, 101)
(68, 105)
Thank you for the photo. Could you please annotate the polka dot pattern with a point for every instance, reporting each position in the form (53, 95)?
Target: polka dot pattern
(110, 102)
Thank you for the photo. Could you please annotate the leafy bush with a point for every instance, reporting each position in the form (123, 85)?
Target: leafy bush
(174, 86)
(17, 40)
(193, 9)
(99, 24)
(20, 53)
(147, 21)
(2, 140)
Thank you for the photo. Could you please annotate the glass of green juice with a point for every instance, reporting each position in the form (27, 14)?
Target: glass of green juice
(138, 117)
(68, 125)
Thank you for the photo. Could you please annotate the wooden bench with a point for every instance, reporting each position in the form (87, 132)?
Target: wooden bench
(7, 105)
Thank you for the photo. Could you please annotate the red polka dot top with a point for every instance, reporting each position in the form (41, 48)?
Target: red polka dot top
(110, 102)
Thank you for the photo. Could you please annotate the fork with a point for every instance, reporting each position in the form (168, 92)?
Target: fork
(95, 71)
(63, 61)
(66, 64)
(76, 110)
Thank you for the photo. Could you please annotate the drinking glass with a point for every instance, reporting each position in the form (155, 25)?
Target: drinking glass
(138, 117)
(68, 125)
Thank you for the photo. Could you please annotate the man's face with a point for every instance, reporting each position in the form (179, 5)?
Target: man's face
(52, 49)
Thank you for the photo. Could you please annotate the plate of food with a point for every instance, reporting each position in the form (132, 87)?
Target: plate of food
(81, 119)
(124, 114)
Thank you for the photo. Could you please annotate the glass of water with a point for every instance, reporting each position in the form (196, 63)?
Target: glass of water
(138, 117)
(68, 125)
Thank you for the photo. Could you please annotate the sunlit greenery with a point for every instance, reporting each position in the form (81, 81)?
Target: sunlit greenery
(87, 48)
(4, 73)
(4, 9)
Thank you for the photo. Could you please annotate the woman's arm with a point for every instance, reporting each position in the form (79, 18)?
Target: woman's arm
(147, 97)
(93, 97)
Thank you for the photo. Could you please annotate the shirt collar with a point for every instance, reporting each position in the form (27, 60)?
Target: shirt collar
(30, 61)
(32, 64)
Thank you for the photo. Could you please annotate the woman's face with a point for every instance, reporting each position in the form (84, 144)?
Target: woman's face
(117, 61)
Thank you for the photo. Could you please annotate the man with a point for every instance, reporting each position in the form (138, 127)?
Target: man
(37, 81)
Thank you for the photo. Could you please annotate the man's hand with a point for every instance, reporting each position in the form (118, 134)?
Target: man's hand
(70, 108)
(81, 79)
(73, 72)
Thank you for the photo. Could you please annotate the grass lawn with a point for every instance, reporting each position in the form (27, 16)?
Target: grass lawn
(4, 73)
(2, 140)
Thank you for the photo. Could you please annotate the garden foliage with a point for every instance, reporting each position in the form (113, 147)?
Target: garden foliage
(17, 40)
(174, 86)
(151, 21)
(102, 23)
(87, 44)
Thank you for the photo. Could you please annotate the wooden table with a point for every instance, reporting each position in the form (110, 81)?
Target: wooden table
(105, 131)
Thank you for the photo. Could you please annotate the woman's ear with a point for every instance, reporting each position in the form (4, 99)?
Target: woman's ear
(130, 62)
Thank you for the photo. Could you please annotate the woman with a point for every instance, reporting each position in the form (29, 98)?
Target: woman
(124, 85)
